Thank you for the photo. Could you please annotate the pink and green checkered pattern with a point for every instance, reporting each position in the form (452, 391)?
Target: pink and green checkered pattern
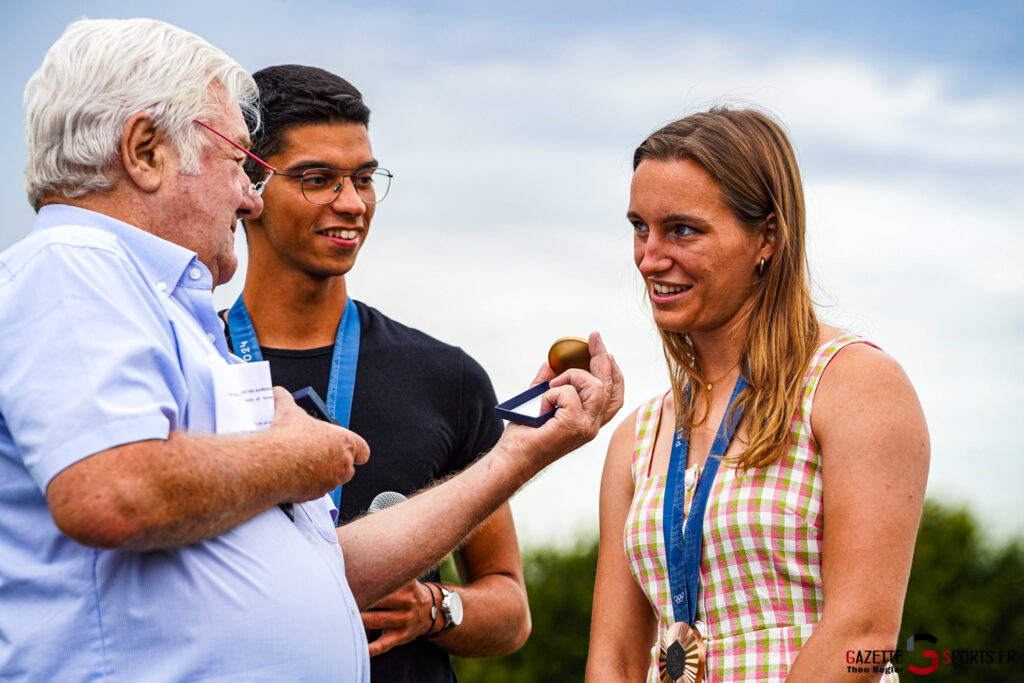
(760, 571)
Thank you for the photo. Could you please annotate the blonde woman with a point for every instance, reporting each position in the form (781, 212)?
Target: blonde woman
(758, 519)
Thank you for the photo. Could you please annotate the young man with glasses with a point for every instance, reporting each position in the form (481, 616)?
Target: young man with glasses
(141, 539)
(425, 408)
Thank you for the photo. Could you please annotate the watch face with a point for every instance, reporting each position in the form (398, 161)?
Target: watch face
(454, 602)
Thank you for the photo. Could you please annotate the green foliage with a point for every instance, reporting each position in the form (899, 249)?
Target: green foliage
(560, 586)
(963, 592)
(967, 595)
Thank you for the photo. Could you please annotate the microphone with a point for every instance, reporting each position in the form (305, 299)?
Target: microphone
(385, 499)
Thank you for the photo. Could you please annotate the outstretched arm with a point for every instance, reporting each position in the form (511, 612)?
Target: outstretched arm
(874, 454)
(416, 534)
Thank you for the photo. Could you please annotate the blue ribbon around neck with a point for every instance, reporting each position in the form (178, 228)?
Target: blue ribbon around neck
(342, 380)
(683, 546)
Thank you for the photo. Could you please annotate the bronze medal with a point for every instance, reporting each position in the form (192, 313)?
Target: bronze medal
(682, 655)
(569, 352)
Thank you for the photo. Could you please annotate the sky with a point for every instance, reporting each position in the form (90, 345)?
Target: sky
(510, 129)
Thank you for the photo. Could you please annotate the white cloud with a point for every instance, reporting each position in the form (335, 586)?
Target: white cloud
(505, 228)
(922, 264)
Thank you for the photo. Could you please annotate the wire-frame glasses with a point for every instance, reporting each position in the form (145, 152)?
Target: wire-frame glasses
(323, 185)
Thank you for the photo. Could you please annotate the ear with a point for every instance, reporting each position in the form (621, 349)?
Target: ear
(768, 235)
(143, 152)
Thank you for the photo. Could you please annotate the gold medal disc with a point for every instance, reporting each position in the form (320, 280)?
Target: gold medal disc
(681, 659)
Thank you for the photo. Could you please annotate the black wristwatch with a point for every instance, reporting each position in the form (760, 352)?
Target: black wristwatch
(451, 610)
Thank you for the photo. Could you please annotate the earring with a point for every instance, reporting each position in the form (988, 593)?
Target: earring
(760, 267)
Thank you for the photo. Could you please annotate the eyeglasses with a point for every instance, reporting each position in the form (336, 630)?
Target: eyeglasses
(323, 185)
(254, 188)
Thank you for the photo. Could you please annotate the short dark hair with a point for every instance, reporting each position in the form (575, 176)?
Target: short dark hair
(294, 95)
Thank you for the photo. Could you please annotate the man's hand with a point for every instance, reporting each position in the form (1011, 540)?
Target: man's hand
(402, 616)
(604, 368)
(325, 455)
(585, 401)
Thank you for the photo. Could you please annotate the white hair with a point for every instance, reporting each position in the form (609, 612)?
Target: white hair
(101, 72)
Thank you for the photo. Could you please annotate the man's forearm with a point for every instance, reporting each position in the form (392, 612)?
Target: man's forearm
(208, 486)
(389, 548)
(496, 618)
(496, 612)
(385, 550)
(185, 489)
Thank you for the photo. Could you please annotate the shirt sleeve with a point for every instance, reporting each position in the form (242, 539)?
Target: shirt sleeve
(89, 360)
(479, 425)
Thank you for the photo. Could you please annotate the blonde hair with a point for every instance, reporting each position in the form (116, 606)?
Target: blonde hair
(750, 156)
(102, 71)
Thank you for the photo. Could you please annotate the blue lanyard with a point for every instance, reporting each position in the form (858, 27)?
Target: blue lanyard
(342, 381)
(683, 546)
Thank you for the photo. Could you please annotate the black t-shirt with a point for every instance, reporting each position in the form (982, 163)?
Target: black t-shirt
(426, 409)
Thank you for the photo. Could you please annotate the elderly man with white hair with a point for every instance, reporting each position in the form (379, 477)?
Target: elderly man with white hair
(137, 543)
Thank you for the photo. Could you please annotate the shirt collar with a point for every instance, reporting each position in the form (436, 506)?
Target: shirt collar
(160, 260)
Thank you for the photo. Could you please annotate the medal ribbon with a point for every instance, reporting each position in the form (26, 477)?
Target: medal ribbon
(684, 545)
(342, 380)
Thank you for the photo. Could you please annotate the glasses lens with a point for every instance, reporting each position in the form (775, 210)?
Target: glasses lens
(323, 185)
(374, 185)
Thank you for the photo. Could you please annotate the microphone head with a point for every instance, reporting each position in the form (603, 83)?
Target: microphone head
(385, 499)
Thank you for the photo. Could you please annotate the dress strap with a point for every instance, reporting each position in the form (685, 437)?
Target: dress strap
(822, 357)
(648, 418)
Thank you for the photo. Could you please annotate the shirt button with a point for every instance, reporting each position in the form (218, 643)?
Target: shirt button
(162, 286)
(690, 479)
(209, 335)
(195, 274)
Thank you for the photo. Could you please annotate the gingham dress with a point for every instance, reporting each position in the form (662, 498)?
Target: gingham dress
(760, 571)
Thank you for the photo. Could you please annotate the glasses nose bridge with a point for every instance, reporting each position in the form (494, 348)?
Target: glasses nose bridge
(257, 187)
(339, 188)
(252, 203)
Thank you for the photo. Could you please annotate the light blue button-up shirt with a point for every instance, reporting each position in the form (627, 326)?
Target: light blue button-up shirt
(106, 334)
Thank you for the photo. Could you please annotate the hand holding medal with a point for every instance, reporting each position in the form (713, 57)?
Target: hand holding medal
(527, 408)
